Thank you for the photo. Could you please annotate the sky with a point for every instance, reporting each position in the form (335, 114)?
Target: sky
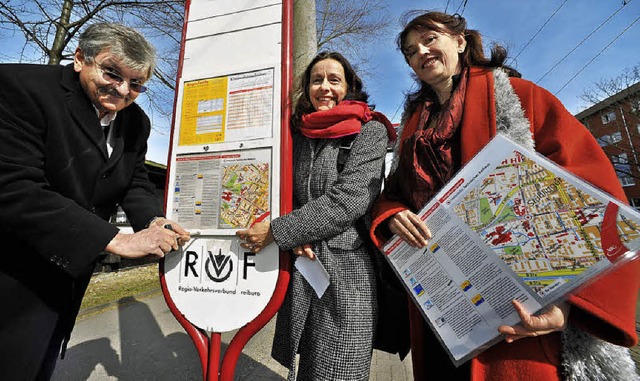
(514, 25)
(540, 33)
(564, 46)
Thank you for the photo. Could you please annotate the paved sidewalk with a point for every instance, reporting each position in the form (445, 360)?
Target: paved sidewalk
(139, 339)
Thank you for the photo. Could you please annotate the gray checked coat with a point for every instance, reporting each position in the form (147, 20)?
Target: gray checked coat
(333, 334)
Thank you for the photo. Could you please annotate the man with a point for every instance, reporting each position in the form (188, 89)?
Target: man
(72, 146)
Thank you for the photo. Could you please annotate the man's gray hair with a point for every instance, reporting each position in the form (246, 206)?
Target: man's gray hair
(124, 42)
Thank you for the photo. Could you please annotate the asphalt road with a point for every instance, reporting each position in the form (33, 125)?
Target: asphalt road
(139, 339)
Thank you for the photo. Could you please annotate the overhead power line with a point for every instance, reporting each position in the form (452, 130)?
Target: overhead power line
(597, 55)
(463, 5)
(543, 25)
(583, 40)
(402, 103)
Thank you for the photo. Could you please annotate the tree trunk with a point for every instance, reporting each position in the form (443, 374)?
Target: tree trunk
(304, 35)
(55, 54)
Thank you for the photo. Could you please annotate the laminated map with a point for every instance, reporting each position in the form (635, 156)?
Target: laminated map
(511, 225)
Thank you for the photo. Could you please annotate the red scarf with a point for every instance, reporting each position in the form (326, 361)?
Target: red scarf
(346, 118)
(426, 163)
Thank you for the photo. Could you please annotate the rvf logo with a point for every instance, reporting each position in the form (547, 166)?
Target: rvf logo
(217, 267)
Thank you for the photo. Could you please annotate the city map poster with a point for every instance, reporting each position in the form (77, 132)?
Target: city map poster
(510, 225)
(222, 190)
(228, 108)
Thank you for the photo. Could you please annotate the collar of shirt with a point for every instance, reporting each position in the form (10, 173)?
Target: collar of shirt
(106, 122)
(107, 119)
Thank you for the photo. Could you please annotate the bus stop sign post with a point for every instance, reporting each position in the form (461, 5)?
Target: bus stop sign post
(187, 144)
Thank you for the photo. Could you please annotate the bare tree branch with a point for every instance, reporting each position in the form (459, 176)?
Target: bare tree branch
(608, 87)
(49, 29)
(351, 27)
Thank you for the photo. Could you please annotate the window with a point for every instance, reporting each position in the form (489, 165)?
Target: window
(603, 140)
(616, 137)
(608, 117)
(635, 203)
(626, 181)
(635, 105)
(613, 138)
(623, 169)
(620, 159)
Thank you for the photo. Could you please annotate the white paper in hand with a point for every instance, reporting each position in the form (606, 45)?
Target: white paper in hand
(315, 273)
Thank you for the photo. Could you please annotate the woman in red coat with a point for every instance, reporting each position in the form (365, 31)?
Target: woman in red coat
(464, 99)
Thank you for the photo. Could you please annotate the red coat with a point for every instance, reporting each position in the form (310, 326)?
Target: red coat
(605, 308)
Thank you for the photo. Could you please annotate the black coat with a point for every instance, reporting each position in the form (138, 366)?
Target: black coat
(57, 189)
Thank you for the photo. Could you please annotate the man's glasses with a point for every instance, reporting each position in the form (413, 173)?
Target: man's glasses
(112, 76)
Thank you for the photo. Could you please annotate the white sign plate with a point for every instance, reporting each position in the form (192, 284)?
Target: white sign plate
(218, 285)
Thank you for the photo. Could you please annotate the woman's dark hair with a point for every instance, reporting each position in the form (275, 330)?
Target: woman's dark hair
(454, 25)
(303, 102)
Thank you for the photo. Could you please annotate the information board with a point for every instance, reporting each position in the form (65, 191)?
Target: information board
(224, 163)
(510, 225)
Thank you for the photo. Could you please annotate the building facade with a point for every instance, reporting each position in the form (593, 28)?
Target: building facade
(615, 122)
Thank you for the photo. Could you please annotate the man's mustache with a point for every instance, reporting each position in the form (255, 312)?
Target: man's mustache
(108, 90)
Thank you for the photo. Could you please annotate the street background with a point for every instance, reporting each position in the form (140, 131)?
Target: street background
(137, 338)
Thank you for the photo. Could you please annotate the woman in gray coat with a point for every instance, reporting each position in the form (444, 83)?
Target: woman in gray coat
(339, 147)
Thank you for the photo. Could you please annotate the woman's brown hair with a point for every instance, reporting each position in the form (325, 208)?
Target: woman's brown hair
(453, 25)
(303, 103)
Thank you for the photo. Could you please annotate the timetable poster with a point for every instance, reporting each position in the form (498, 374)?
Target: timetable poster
(228, 108)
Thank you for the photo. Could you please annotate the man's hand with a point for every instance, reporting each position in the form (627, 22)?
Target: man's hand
(155, 240)
(183, 236)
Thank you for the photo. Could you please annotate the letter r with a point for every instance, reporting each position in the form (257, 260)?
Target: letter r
(190, 263)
